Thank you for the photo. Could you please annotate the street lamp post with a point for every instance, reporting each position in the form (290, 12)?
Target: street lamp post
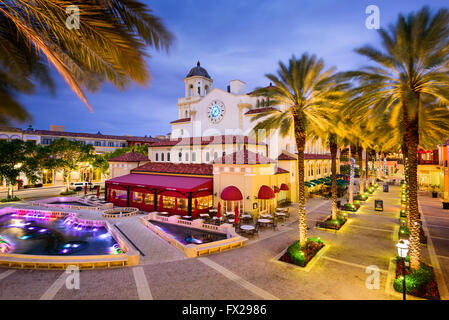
(402, 252)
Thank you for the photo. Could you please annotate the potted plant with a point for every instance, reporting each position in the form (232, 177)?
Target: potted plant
(434, 190)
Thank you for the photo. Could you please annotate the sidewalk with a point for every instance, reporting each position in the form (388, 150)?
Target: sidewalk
(436, 225)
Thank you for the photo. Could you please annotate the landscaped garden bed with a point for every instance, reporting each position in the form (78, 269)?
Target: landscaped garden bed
(301, 256)
(11, 199)
(334, 224)
(68, 193)
(361, 197)
(419, 283)
(351, 207)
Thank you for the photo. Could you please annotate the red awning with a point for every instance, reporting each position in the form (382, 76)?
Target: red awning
(265, 192)
(178, 183)
(284, 187)
(231, 193)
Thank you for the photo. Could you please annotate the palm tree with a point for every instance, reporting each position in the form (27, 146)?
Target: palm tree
(301, 88)
(109, 45)
(413, 66)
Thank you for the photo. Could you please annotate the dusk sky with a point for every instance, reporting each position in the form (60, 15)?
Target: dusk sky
(233, 39)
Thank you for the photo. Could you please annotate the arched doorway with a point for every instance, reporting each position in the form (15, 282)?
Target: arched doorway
(231, 197)
(265, 196)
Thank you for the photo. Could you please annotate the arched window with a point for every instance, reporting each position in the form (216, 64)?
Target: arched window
(207, 157)
(180, 156)
(193, 156)
(187, 113)
(199, 91)
(168, 156)
(206, 89)
(162, 156)
(157, 156)
(215, 155)
(191, 90)
(187, 156)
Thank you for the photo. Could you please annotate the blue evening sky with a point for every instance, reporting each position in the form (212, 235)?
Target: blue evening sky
(233, 39)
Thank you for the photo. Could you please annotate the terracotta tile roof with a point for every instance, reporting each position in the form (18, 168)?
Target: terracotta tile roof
(259, 110)
(280, 170)
(10, 129)
(224, 139)
(284, 156)
(130, 157)
(312, 156)
(93, 135)
(181, 120)
(244, 157)
(176, 168)
(140, 139)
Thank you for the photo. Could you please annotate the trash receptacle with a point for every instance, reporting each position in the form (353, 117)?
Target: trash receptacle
(386, 187)
(379, 205)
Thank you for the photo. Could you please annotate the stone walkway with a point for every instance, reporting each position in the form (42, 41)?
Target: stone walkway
(253, 272)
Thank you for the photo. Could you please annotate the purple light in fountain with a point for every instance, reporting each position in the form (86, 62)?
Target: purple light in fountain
(65, 250)
(43, 230)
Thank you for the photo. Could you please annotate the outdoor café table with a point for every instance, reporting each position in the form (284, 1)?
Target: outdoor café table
(163, 213)
(281, 209)
(247, 227)
(246, 216)
(186, 217)
(268, 216)
(230, 213)
(280, 214)
(213, 210)
(217, 218)
(204, 215)
(264, 221)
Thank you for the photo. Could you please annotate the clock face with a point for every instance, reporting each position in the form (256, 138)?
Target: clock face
(216, 111)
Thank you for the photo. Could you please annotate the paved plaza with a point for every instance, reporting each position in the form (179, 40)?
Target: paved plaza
(339, 271)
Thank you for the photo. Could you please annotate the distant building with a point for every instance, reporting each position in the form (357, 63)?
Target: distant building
(212, 157)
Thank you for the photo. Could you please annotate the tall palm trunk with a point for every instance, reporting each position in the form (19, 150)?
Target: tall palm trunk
(300, 137)
(407, 180)
(351, 177)
(413, 142)
(334, 148)
(361, 173)
(367, 168)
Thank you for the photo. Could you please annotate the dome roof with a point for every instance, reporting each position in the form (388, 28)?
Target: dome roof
(198, 71)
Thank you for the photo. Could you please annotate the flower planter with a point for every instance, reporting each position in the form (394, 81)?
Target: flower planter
(301, 256)
(434, 194)
(332, 224)
(446, 205)
(420, 283)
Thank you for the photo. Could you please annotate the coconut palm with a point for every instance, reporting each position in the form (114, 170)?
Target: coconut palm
(412, 65)
(301, 89)
(108, 46)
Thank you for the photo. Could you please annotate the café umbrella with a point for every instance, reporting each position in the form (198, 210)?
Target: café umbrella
(218, 209)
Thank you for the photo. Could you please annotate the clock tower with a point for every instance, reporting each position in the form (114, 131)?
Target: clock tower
(197, 82)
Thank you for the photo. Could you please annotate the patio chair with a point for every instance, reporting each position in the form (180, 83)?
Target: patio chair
(274, 224)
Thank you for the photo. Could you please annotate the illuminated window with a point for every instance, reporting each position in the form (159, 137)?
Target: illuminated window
(169, 202)
(137, 197)
(204, 202)
(149, 199)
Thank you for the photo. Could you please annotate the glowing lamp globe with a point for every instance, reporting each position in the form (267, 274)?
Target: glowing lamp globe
(402, 248)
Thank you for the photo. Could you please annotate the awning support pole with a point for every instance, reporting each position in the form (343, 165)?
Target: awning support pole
(190, 204)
